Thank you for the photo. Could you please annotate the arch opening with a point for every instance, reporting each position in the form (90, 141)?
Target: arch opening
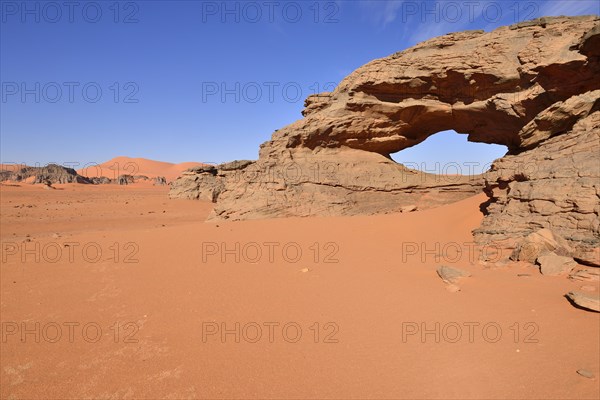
(450, 153)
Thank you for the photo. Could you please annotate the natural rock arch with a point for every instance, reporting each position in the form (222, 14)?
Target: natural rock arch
(532, 87)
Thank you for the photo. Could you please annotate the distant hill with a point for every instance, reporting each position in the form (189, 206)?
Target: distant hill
(137, 166)
(49, 174)
(121, 170)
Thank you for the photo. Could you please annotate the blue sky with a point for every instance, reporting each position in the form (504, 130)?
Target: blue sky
(208, 81)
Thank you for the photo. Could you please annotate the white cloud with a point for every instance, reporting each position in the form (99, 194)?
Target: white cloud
(381, 13)
(569, 7)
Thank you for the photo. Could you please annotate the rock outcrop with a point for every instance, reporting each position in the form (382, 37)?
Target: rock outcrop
(320, 183)
(532, 87)
(554, 265)
(126, 179)
(585, 300)
(540, 243)
(50, 174)
(585, 275)
(159, 181)
(57, 174)
(555, 185)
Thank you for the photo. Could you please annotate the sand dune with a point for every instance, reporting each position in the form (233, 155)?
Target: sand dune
(136, 166)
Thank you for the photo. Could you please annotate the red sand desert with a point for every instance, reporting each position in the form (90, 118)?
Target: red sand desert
(118, 292)
(323, 269)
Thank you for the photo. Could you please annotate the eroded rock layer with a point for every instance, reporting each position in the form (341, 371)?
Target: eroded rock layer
(57, 174)
(554, 185)
(532, 87)
(320, 182)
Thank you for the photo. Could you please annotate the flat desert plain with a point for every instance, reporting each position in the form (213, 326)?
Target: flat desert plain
(119, 292)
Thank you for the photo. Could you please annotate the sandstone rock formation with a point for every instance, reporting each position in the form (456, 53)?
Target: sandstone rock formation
(554, 265)
(320, 183)
(126, 179)
(57, 174)
(585, 300)
(51, 173)
(555, 185)
(159, 181)
(532, 87)
(102, 180)
(540, 243)
(585, 275)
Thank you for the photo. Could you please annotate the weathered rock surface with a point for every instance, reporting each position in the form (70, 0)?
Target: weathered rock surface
(585, 275)
(451, 275)
(555, 185)
(102, 180)
(554, 265)
(197, 183)
(51, 174)
(57, 174)
(585, 300)
(532, 87)
(324, 182)
(539, 243)
(159, 181)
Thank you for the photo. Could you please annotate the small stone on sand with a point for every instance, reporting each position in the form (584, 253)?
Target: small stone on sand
(451, 274)
(586, 373)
